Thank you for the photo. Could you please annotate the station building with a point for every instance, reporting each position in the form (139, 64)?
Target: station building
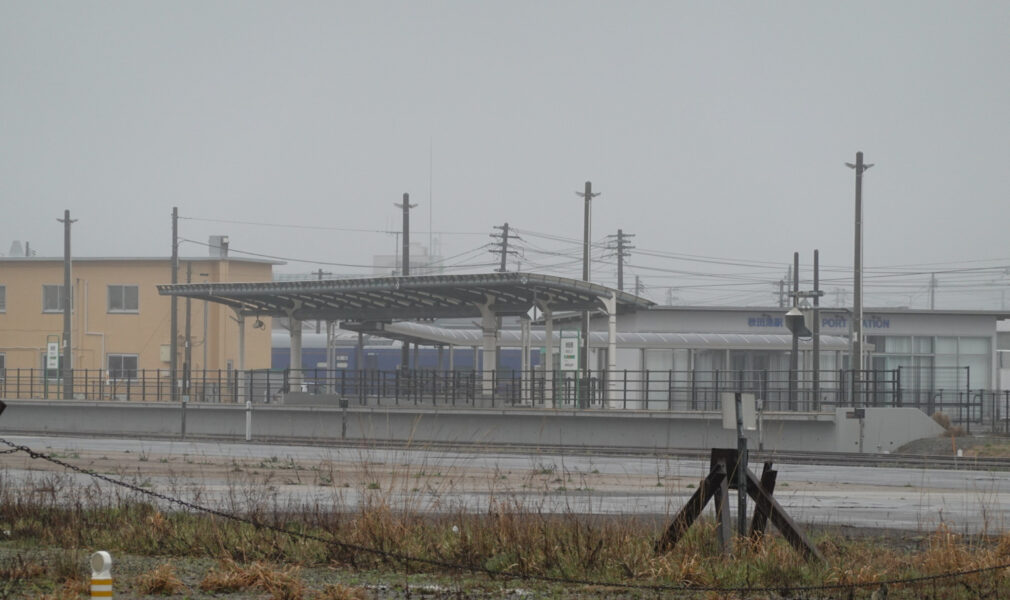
(912, 339)
(665, 354)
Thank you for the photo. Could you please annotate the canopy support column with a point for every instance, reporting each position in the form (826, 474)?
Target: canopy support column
(359, 359)
(489, 329)
(241, 356)
(295, 368)
(610, 306)
(524, 328)
(549, 354)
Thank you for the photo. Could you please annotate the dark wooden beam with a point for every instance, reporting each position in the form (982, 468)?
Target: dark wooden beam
(761, 509)
(781, 520)
(723, 524)
(691, 511)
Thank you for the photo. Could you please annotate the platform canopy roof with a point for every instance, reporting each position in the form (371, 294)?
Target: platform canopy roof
(427, 334)
(403, 298)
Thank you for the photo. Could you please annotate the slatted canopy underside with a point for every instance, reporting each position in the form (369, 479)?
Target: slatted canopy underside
(400, 298)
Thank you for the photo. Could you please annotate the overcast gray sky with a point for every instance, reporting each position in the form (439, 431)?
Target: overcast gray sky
(711, 129)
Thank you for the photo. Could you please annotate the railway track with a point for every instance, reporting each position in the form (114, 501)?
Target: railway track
(847, 459)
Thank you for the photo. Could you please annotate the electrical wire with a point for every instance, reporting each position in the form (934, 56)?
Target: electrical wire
(320, 227)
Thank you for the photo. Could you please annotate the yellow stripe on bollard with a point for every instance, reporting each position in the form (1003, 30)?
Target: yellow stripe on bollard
(101, 588)
(101, 577)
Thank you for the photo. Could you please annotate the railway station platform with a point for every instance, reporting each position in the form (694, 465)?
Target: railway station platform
(871, 430)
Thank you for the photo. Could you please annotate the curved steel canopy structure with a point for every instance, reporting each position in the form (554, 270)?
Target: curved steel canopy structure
(405, 298)
(386, 299)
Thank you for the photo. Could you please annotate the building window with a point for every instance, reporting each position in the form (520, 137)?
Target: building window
(3, 298)
(122, 366)
(52, 298)
(3, 366)
(123, 298)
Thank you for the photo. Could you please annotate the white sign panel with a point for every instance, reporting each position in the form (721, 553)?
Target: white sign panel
(53, 355)
(569, 354)
(747, 405)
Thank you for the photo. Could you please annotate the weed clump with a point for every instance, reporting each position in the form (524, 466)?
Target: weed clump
(162, 580)
(943, 420)
(282, 583)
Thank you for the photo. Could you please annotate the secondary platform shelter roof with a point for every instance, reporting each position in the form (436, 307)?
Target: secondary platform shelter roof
(416, 297)
(424, 334)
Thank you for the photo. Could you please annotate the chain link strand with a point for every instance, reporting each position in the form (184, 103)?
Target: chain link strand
(785, 591)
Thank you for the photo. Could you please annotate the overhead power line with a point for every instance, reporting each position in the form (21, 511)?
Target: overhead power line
(320, 227)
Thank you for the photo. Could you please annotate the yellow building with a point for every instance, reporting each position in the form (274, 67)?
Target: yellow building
(120, 325)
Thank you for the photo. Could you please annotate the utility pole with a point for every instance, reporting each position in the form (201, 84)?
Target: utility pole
(794, 359)
(622, 251)
(406, 206)
(173, 361)
(856, 359)
(205, 315)
(68, 302)
(187, 365)
(782, 292)
(588, 196)
(817, 331)
(320, 274)
(502, 247)
(932, 291)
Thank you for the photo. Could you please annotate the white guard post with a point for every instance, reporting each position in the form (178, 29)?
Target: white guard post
(101, 575)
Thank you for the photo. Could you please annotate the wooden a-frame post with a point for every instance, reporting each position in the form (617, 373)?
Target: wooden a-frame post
(716, 485)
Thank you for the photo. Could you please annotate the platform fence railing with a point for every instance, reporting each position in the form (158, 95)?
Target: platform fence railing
(948, 391)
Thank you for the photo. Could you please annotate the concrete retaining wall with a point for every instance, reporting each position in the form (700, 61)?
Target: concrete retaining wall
(884, 429)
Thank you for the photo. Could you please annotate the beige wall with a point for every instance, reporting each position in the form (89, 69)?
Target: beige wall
(96, 332)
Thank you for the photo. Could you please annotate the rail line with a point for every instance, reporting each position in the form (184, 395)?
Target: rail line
(847, 459)
(844, 459)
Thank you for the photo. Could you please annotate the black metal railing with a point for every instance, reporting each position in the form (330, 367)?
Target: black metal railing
(663, 390)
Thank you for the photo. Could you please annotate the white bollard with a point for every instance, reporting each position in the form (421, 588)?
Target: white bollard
(101, 576)
(248, 420)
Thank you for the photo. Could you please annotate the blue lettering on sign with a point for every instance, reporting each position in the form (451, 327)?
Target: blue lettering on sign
(764, 321)
(843, 323)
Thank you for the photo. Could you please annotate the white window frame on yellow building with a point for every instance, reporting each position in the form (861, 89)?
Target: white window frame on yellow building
(59, 297)
(117, 374)
(122, 288)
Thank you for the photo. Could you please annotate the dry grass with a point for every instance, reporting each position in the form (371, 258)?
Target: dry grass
(509, 538)
(943, 420)
(282, 583)
(162, 580)
(70, 590)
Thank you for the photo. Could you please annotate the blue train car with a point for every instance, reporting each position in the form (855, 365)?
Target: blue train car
(379, 354)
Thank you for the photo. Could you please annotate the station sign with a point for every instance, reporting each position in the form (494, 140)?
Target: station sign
(569, 351)
(53, 355)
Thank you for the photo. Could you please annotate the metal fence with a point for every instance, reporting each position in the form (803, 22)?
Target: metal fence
(936, 390)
